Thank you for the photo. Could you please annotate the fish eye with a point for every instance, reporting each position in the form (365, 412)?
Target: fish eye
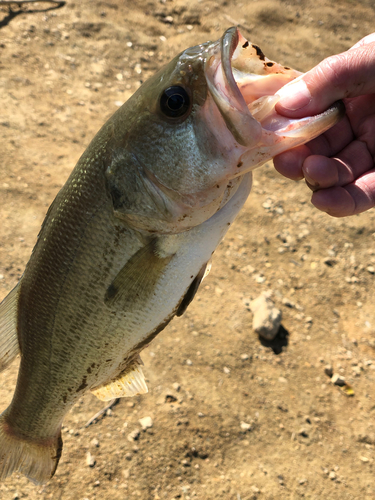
(175, 102)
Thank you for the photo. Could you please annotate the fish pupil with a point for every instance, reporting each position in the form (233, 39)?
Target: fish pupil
(175, 102)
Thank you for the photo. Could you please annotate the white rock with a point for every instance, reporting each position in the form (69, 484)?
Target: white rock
(338, 380)
(146, 423)
(267, 318)
(245, 426)
(90, 460)
(95, 443)
(134, 435)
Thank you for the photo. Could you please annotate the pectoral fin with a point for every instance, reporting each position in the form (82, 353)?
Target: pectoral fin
(9, 347)
(127, 384)
(137, 279)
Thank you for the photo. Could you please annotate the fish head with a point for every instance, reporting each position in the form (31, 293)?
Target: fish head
(184, 140)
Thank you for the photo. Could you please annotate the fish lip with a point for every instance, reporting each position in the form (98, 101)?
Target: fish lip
(251, 128)
(310, 124)
(225, 92)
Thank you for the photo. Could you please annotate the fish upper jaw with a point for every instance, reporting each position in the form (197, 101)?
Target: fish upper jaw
(243, 84)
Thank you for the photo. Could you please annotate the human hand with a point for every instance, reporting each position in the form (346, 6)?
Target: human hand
(339, 165)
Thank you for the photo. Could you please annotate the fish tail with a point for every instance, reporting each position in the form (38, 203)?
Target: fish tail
(37, 459)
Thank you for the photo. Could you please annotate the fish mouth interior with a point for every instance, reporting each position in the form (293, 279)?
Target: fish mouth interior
(244, 85)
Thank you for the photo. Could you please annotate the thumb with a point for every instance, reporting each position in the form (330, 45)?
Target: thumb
(349, 74)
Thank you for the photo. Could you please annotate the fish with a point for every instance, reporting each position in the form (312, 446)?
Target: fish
(130, 236)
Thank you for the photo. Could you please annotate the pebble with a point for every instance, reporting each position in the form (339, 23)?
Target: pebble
(302, 432)
(338, 380)
(168, 19)
(328, 370)
(226, 370)
(146, 423)
(267, 318)
(176, 386)
(90, 460)
(364, 459)
(134, 435)
(244, 356)
(95, 443)
(245, 427)
(332, 475)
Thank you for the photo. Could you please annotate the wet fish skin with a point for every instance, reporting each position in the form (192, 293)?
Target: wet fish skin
(124, 246)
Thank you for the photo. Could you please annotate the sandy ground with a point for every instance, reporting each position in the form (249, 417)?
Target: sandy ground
(62, 73)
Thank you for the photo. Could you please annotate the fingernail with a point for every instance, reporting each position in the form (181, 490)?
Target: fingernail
(294, 96)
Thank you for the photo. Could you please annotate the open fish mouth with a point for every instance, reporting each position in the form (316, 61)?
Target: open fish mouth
(244, 85)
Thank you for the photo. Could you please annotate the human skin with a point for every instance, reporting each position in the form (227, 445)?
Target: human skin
(338, 166)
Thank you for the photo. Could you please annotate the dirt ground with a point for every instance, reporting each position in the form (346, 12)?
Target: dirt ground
(63, 72)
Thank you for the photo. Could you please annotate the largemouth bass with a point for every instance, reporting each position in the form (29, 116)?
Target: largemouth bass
(125, 244)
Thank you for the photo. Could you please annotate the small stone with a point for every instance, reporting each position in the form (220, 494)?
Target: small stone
(302, 432)
(338, 380)
(176, 386)
(128, 456)
(245, 427)
(108, 412)
(126, 473)
(189, 362)
(90, 460)
(94, 443)
(146, 423)
(302, 481)
(356, 371)
(244, 357)
(255, 490)
(168, 19)
(332, 475)
(97, 484)
(134, 435)
(370, 269)
(364, 459)
(328, 370)
(267, 318)
(226, 370)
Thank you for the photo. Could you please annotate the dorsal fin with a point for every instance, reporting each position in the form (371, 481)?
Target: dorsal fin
(127, 384)
(9, 347)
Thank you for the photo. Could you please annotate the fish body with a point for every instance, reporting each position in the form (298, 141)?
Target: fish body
(125, 244)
